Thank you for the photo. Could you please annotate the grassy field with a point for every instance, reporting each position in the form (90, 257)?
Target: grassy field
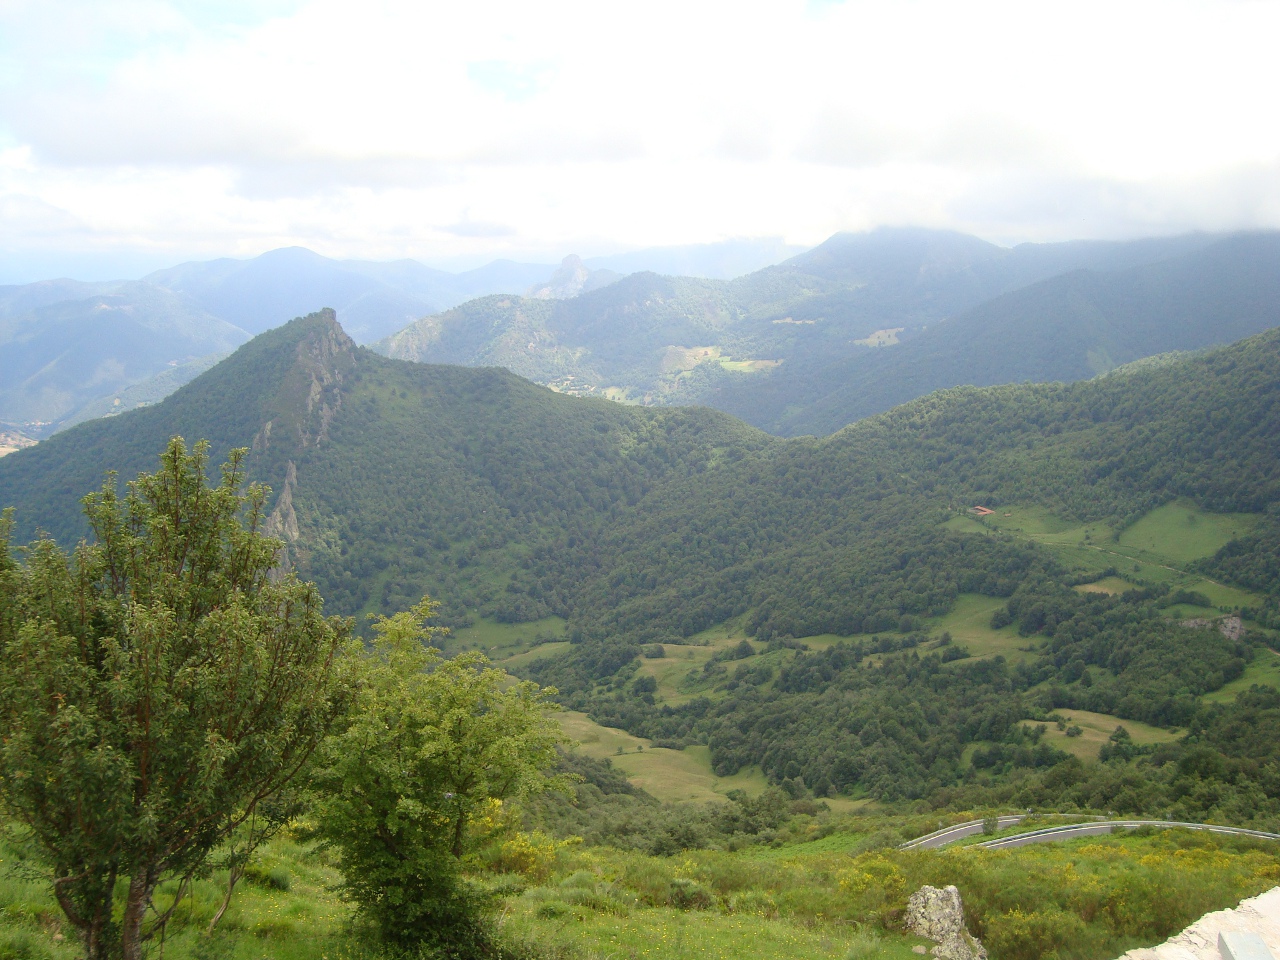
(837, 897)
(969, 623)
(1264, 671)
(1181, 532)
(1108, 585)
(498, 641)
(285, 909)
(747, 366)
(1097, 729)
(1077, 900)
(670, 775)
(663, 933)
(1155, 549)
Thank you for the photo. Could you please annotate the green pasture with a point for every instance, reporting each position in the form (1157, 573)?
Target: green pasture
(1110, 585)
(969, 623)
(1157, 548)
(1181, 532)
(499, 641)
(1263, 671)
(554, 648)
(1097, 729)
(669, 775)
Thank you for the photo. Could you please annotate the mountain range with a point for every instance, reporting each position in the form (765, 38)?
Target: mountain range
(848, 329)
(866, 321)
(78, 350)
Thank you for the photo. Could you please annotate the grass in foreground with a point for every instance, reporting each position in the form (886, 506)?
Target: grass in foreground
(830, 898)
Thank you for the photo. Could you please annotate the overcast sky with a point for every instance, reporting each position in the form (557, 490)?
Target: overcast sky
(137, 133)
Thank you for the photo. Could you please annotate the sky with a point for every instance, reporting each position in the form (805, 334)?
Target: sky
(138, 133)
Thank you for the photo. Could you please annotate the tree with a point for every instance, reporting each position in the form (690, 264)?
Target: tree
(157, 687)
(430, 743)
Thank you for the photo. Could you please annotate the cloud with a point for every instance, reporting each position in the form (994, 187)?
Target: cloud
(845, 139)
(406, 129)
(472, 228)
(30, 218)
(513, 81)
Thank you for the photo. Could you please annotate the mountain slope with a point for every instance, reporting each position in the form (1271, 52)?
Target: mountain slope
(59, 355)
(391, 479)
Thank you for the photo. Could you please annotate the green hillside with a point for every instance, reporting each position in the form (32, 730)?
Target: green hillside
(870, 636)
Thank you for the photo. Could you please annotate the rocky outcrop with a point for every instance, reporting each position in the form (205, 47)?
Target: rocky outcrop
(1229, 627)
(938, 915)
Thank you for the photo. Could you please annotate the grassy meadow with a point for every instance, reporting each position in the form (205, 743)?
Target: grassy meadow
(1094, 731)
(840, 896)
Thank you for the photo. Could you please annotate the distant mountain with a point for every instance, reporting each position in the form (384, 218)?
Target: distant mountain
(484, 462)
(60, 354)
(571, 279)
(1071, 327)
(768, 345)
(772, 333)
(73, 351)
(270, 289)
(143, 393)
(627, 340)
(712, 261)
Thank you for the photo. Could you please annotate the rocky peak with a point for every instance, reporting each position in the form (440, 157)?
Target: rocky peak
(310, 395)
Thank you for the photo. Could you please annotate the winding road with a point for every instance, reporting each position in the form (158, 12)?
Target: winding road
(1098, 827)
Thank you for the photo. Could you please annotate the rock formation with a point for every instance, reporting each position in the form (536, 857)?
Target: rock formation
(938, 915)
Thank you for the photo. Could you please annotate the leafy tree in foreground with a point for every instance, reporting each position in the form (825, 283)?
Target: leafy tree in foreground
(430, 744)
(157, 687)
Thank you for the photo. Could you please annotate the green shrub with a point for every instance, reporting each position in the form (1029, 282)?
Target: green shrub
(1038, 935)
(690, 895)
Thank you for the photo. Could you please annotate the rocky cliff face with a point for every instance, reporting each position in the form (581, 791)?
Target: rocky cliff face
(310, 395)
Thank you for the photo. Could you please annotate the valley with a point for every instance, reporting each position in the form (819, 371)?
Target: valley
(775, 651)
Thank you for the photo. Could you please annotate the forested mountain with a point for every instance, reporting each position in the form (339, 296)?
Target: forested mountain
(856, 324)
(646, 526)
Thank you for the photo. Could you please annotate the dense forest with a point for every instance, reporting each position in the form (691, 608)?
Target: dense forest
(643, 527)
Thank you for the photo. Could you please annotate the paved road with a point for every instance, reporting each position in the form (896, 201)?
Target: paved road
(940, 838)
(1073, 831)
(949, 835)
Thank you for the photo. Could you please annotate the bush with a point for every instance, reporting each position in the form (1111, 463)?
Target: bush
(690, 895)
(1038, 935)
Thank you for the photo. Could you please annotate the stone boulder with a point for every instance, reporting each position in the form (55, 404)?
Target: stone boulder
(938, 915)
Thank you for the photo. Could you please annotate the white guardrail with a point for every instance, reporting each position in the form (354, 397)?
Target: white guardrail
(1090, 826)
